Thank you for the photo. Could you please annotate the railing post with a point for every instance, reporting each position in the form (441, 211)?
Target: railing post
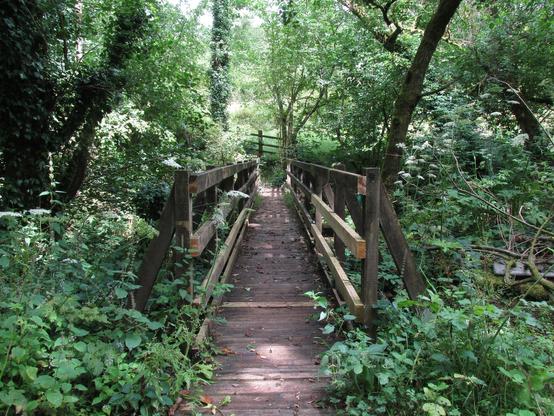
(371, 236)
(260, 143)
(318, 191)
(183, 227)
(339, 208)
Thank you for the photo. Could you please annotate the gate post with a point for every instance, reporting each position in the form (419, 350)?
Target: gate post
(260, 143)
(370, 266)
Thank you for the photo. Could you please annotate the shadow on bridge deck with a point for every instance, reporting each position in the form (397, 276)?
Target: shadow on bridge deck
(270, 346)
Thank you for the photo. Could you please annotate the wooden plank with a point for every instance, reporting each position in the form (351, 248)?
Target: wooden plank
(266, 136)
(201, 181)
(275, 146)
(200, 239)
(355, 211)
(370, 267)
(292, 304)
(351, 181)
(260, 143)
(305, 190)
(341, 280)
(154, 256)
(355, 243)
(329, 195)
(232, 260)
(213, 275)
(183, 228)
(398, 247)
(339, 208)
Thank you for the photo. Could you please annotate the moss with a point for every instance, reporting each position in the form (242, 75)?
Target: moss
(537, 292)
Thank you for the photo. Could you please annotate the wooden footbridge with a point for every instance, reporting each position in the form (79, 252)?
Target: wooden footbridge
(269, 346)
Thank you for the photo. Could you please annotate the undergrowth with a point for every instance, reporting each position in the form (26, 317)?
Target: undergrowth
(70, 345)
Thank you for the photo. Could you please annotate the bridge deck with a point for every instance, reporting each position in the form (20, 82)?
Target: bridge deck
(270, 346)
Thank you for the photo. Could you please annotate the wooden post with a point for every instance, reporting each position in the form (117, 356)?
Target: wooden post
(371, 236)
(338, 207)
(305, 178)
(211, 203)
(260, 143)
(183, 227)
(317, 190)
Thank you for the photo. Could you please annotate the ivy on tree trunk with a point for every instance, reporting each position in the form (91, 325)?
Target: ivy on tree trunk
(220, 90)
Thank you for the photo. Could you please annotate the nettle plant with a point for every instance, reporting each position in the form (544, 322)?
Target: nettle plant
(461, 356)
(70, 344)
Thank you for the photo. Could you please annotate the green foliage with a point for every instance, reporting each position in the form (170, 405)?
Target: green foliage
(220, 87)
(455, 355)
(70, 343)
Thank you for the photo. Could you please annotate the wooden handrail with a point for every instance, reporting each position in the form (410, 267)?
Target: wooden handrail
(177, 220)
(199, 182)
(370, 213)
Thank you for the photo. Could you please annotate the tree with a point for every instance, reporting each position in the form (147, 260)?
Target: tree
(47, 110)
(220, 90)
(411, 89)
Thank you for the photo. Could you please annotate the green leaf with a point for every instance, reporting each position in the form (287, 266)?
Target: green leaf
(349, 317)
(132, 340)
(54, 397)
(434, 409)
(45, 382)
(4, 262)
(328, 329)
(31, 372)
(80, 346)
(120, 293)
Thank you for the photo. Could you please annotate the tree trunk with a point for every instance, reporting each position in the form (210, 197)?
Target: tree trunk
(528, 125)
(412, 87)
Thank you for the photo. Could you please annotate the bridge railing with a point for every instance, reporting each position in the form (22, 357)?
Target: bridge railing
(182, 222)
(331, 193)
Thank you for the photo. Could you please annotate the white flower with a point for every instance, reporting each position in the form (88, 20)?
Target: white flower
(237, 194)
(485, 95)
(432, 165)
(420, 177)
(172, 163)
(401, 145)
(406, 175)
(520, 139)
(70, 261)
(514, 102)
(398, 183)
(426, 145)
(39, 211)
(9, 214)
(411, 160)
(496, 114)
(430, 175)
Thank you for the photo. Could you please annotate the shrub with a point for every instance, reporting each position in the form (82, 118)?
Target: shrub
(461, 356)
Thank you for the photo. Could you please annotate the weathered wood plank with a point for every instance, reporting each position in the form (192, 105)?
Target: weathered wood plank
(355, 243)
(154, 255)
(339, 208)
(201, 181)
(398, 247)
(351, 181)
(214, 273)
(370, 266)
(341, 280)
(200, 239)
